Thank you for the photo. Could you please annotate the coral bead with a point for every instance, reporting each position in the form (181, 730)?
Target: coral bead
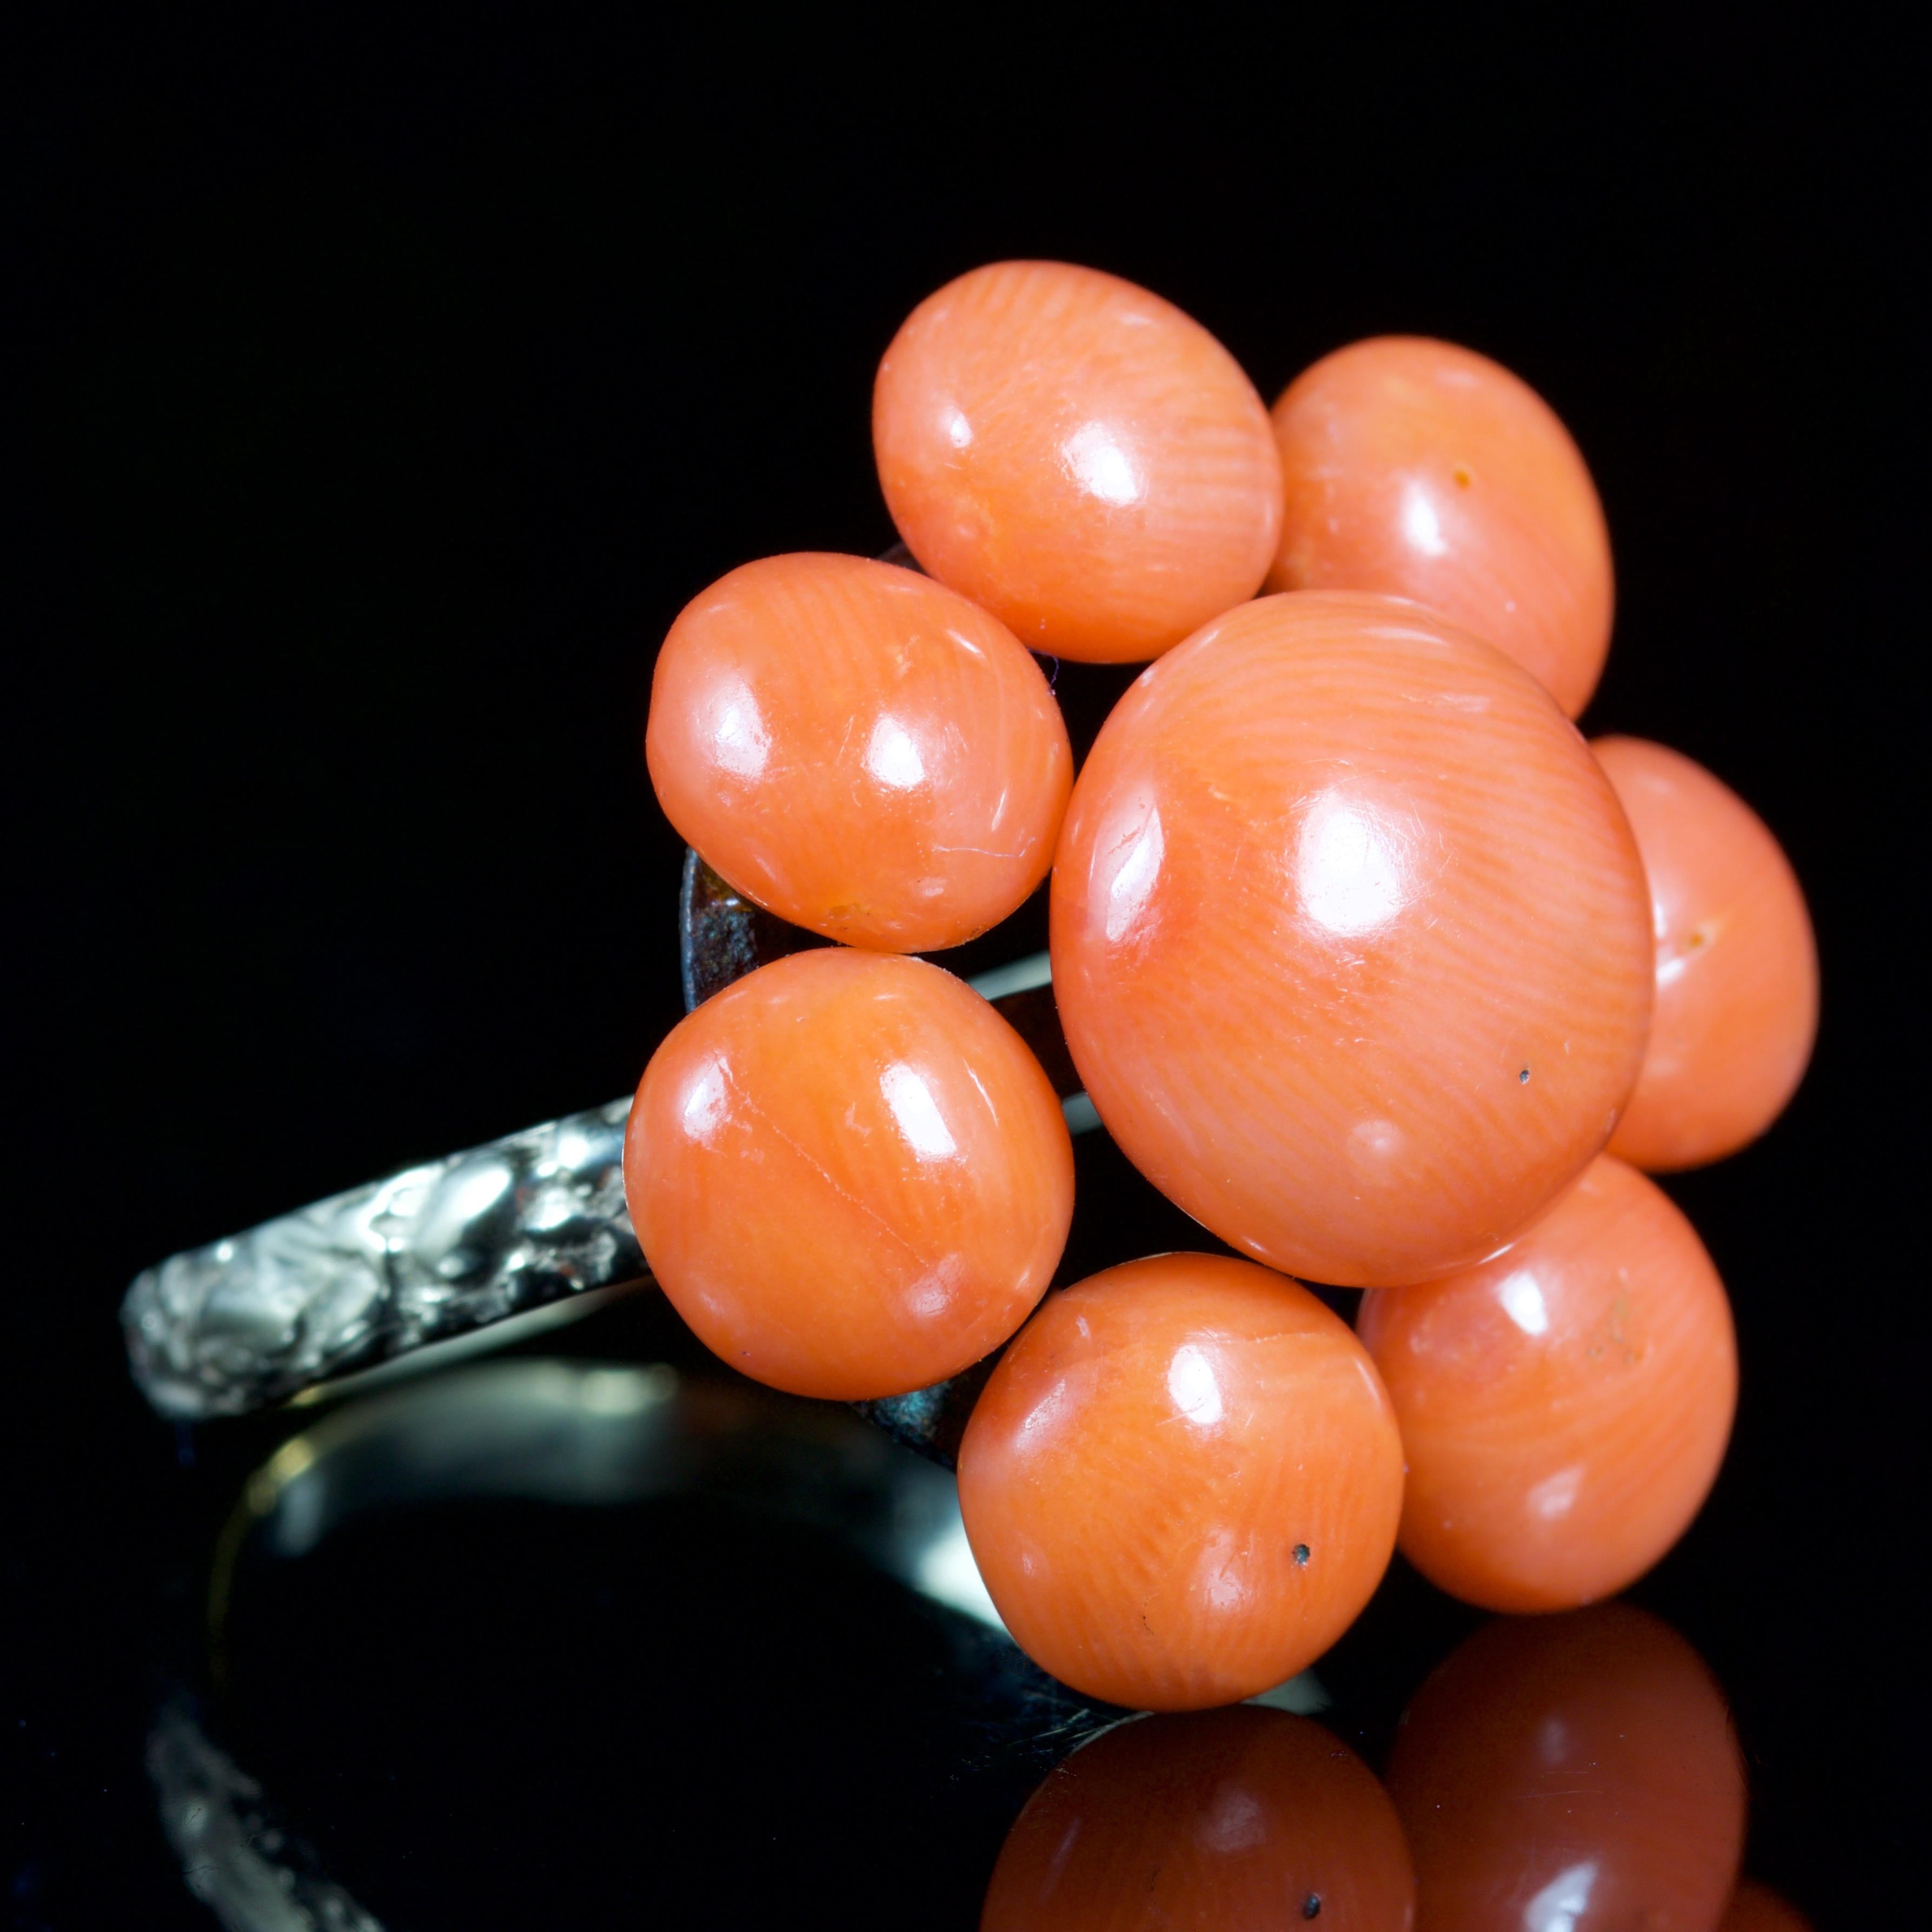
(1737, 967)
(849, 1174)
(1427, 471)
(859, 750)
(1350, 938)
(1757, 1908)
(1564, 1407)
(1077, 455)
(1181, 1482)
(1230, 1821)
(1575, 1772)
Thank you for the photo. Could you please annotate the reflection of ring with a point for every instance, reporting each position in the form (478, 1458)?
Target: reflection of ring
(579, 1435)
(441, 1251)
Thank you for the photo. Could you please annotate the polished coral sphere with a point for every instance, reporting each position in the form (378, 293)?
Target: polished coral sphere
(1576, 1772)
(859, 750)
(1737, 966)
(1182, 1482)
(1564, 1407)
(849, 1174)
(1351, 938)
(1757, 1908)
(1246, 1820)
(1077, 455)
(1427, 471)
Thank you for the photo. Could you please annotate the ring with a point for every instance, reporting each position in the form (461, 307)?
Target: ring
(485, 1246)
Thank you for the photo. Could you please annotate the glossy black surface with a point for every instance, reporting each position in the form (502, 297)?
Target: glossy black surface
(376, 399)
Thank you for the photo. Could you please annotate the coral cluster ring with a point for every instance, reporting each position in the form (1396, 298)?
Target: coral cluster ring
(1371, 964)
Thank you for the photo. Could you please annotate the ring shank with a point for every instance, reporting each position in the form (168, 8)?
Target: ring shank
(433, 1252)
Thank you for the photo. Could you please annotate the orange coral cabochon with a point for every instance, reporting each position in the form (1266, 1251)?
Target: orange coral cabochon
(1576, 1771)
(859, 749)
(1182, 1482)
(1737, 964)
(1078, 456)
(1243, 1821)
(1564, 1407)
(849, 1173)
(1351, 938)
(1427, 471)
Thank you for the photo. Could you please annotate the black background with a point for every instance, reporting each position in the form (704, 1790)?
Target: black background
(376, 399)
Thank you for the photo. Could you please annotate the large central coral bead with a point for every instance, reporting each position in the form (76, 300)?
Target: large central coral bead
(1351, 938)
